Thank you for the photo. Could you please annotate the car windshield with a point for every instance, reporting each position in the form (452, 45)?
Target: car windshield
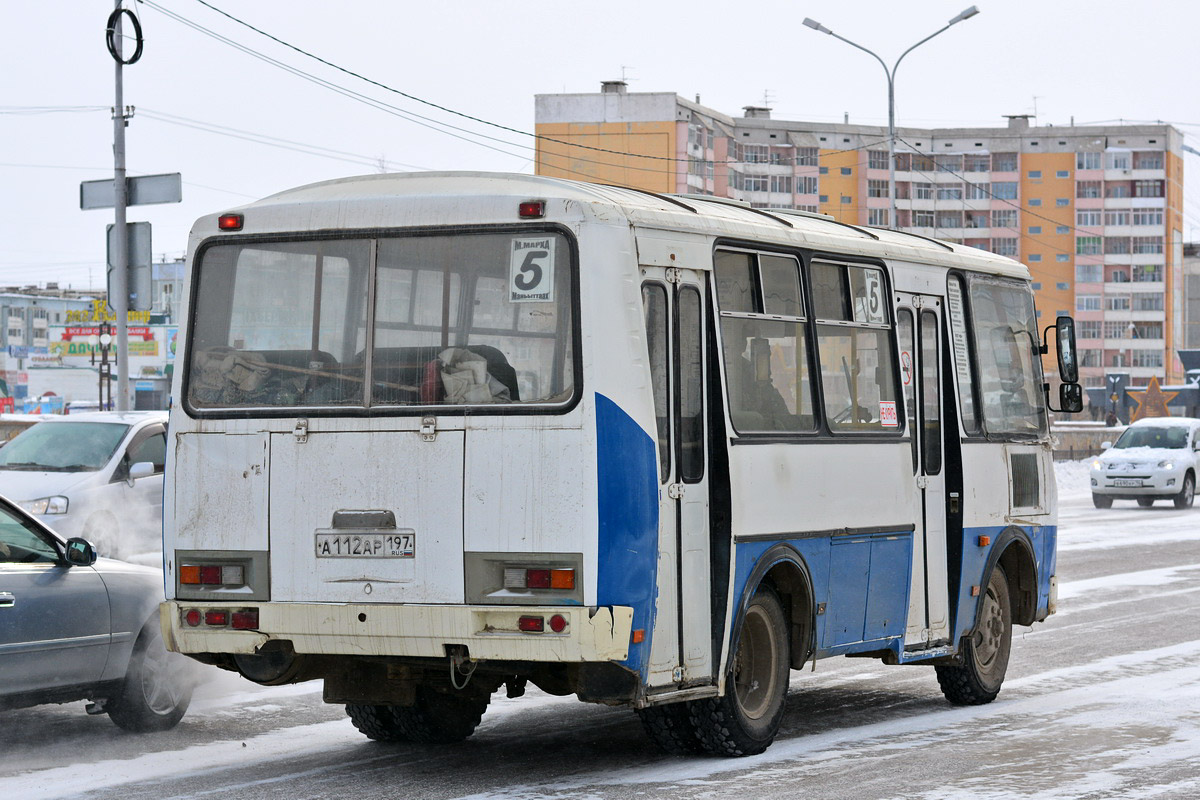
(1171, 438)
(63, 447)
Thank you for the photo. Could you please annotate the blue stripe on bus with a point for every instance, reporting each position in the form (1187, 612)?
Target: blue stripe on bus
(1044, 539)
(627, 502)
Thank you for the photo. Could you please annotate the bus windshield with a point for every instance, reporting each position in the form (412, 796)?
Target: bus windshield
(466, 319)
(1006, 343)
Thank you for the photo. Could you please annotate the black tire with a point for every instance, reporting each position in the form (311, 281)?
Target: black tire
(434, 718)
(671, 729)
(1187, 493)
(157, 688)
(1101, 500)
(1145, 502)
(985, 652)
(745, 720)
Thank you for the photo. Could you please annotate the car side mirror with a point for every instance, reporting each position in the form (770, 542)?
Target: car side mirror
(1070, 397)
(80, 552)
(142, 469)
(1068, 364)
(1105, 445)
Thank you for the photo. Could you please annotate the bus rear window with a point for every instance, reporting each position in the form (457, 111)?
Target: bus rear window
(463, 320)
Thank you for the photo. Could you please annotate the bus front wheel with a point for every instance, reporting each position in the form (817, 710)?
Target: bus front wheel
(745, 720)
(984, 652)
(433, 718)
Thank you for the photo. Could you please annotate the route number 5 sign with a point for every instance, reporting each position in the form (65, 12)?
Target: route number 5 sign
(531, 270)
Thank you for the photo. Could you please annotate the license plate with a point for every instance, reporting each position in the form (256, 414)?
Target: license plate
(1126, 482)
(364, 544)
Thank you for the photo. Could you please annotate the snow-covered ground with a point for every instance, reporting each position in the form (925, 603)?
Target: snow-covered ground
(1101, 701)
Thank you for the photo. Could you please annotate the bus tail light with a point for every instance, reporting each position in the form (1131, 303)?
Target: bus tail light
(531, 624)
(532, 209)
(245, 620)
(193, 617)
(558, 623)
(539, 578)
(217, 618)
(230, 222)
(212, 574)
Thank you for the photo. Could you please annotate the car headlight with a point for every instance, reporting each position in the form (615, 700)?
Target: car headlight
(1167, 464)
(1097, 464)
(46, 505)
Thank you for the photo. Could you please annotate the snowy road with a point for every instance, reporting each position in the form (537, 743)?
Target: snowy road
(1102, 701)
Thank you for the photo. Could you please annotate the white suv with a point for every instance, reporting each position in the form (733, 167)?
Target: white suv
(1154, 459)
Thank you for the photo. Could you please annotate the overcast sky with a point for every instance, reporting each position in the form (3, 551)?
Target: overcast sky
(200, 102)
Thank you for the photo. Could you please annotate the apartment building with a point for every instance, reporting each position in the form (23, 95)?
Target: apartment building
(1094, 211)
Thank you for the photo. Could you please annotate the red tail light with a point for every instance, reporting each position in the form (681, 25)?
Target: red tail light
(219, 618)
(192, 617)
(230, 222)
(532, 209)
(246, 619)
(558, 623)
(531, 624)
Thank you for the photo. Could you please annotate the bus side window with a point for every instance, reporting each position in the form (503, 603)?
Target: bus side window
(854, 346)
(654, 310)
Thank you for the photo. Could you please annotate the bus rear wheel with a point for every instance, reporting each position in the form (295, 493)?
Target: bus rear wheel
(745, 720)
(434, 718)
(985, 652)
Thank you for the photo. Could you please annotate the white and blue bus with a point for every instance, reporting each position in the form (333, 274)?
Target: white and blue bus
(441, 433)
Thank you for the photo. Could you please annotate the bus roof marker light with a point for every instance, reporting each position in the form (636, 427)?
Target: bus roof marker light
(532, 209)
(230, 222)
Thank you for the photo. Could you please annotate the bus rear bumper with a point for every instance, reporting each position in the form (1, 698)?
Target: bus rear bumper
(488, 632)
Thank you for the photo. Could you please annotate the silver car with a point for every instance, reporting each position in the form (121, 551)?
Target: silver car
(74, 627)
(96, 475)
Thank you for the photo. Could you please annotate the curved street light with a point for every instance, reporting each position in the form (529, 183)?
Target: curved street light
(891, 79)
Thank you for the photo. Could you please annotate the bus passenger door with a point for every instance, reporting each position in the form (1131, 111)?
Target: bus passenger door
(918, 322)
(681, 649)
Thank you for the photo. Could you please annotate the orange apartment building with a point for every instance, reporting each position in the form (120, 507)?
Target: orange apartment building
(1095, 212)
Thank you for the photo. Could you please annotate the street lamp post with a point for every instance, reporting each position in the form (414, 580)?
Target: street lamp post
(891, 79)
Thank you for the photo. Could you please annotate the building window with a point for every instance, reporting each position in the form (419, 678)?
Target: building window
(1116, 303)
(877, 159)
(1035, 257)
(1087, 329)
(1116, 246)
(1088, 245)
(1088, 189)
(923, 191)
(1062, 229)
(949, 219)
(1004, 162)
(1116, 330)
(846, 199)
(1148, 216)
(977, 219)
(1118, 160)
(1087, 160)
(1035, 173)
(823, 170)
(1087, 302)
(1061, 202)
(1147, 188)
(781, 183)
(1062, 257)
(1005, 246)
(977, 163)
(1147, 273)
(1035, 201)
(1151, 160)
(1090, 358)
(1089, 273)
(1004, 218)
(1035, 229)
(922, 219)
(1036, 286)
(1087, 219)
(756, 183)
(806, 156)
(1062, 173)
(949, 191)
(847, 171)
(754, 153)
(877, 217)
(806, 185)
(1062, 287)
(1148, 301)
(977, 191)
(1117, 189)
(1147, 358)
(1004, 190)
(1116, 217)
(877, 188)
(1147, 330)
(823, 198)
(1147, 244)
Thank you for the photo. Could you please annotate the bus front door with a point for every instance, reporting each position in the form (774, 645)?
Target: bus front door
(681, 649)
(918, 323)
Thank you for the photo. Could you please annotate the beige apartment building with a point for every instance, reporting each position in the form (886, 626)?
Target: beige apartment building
(1094, 211)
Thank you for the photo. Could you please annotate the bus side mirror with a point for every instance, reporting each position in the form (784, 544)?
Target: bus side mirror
(1068, 365)
(1070, 398)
